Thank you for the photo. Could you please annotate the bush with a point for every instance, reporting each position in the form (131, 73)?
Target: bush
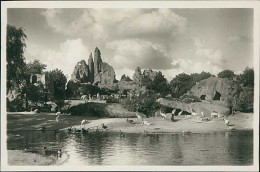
(112, 100)
(145, 104)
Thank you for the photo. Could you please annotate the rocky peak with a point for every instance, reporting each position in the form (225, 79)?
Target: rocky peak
(91, 68)
(80, 72)
(95, 72)
(138, 75)
(97, 60)
(150, 73)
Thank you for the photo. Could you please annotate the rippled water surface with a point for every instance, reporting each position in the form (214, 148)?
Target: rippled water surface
(103, 148)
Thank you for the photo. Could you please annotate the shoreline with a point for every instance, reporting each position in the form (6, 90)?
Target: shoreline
(240, 121)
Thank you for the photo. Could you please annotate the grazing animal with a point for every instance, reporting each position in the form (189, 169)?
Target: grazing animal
(226, 121)
(130, 121)
(103, 126)
(139, 117)
(163, 115)
(84, 122)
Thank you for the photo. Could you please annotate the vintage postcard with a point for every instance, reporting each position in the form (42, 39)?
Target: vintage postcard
(130, 85)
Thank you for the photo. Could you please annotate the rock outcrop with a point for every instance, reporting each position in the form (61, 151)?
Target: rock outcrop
(81, 72)
(198, 107)
(91, 68)
(139, 75)
(95, 71)
(212, 88)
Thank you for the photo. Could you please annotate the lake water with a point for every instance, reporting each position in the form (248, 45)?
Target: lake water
(103, 148)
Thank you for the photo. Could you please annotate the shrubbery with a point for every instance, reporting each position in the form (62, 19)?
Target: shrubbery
(145, 103)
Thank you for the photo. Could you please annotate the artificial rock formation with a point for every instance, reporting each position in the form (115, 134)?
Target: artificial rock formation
(81, 72)
(212, 88)
(138, 75)
(95, 71)
(197, 107)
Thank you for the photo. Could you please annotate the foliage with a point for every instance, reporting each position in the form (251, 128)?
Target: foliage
(246, 100)
(58, 80)
(87, 89)
(35, 93)
(196, 77)
(160, 85)
(112, 100)
(189, 98)
(145, 103)
(180, 85)
(35, 67)
(247, 77)
(241, 94)
(226, 74)
(15, 44)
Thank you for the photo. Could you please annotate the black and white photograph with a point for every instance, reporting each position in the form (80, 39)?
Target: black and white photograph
(119, 84)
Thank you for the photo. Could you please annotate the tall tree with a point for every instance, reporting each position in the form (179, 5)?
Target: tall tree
(15, 44)
(58, 82)
(226, 74)
(35, 67)
(247, 77)
(160, 84)
(180, 84)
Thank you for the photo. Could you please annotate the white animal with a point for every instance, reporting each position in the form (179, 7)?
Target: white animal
(83, 122)
(84, 97)
(214, 114)
(58, 116)
(193, 113)
(226, 121)
(202, 114)
(139, 117)
(180, 113)
(146, 123)
(173, 111)
(163, 115)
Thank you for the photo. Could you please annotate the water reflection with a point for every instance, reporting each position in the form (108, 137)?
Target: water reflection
(227, 148)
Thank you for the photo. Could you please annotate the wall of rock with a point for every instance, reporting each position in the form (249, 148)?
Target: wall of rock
(212, 88)
(198, 107)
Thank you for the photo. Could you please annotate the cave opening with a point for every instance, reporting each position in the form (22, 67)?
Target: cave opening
(217, 96)
(202, 97)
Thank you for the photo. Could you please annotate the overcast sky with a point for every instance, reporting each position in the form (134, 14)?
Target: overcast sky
(170, 40)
